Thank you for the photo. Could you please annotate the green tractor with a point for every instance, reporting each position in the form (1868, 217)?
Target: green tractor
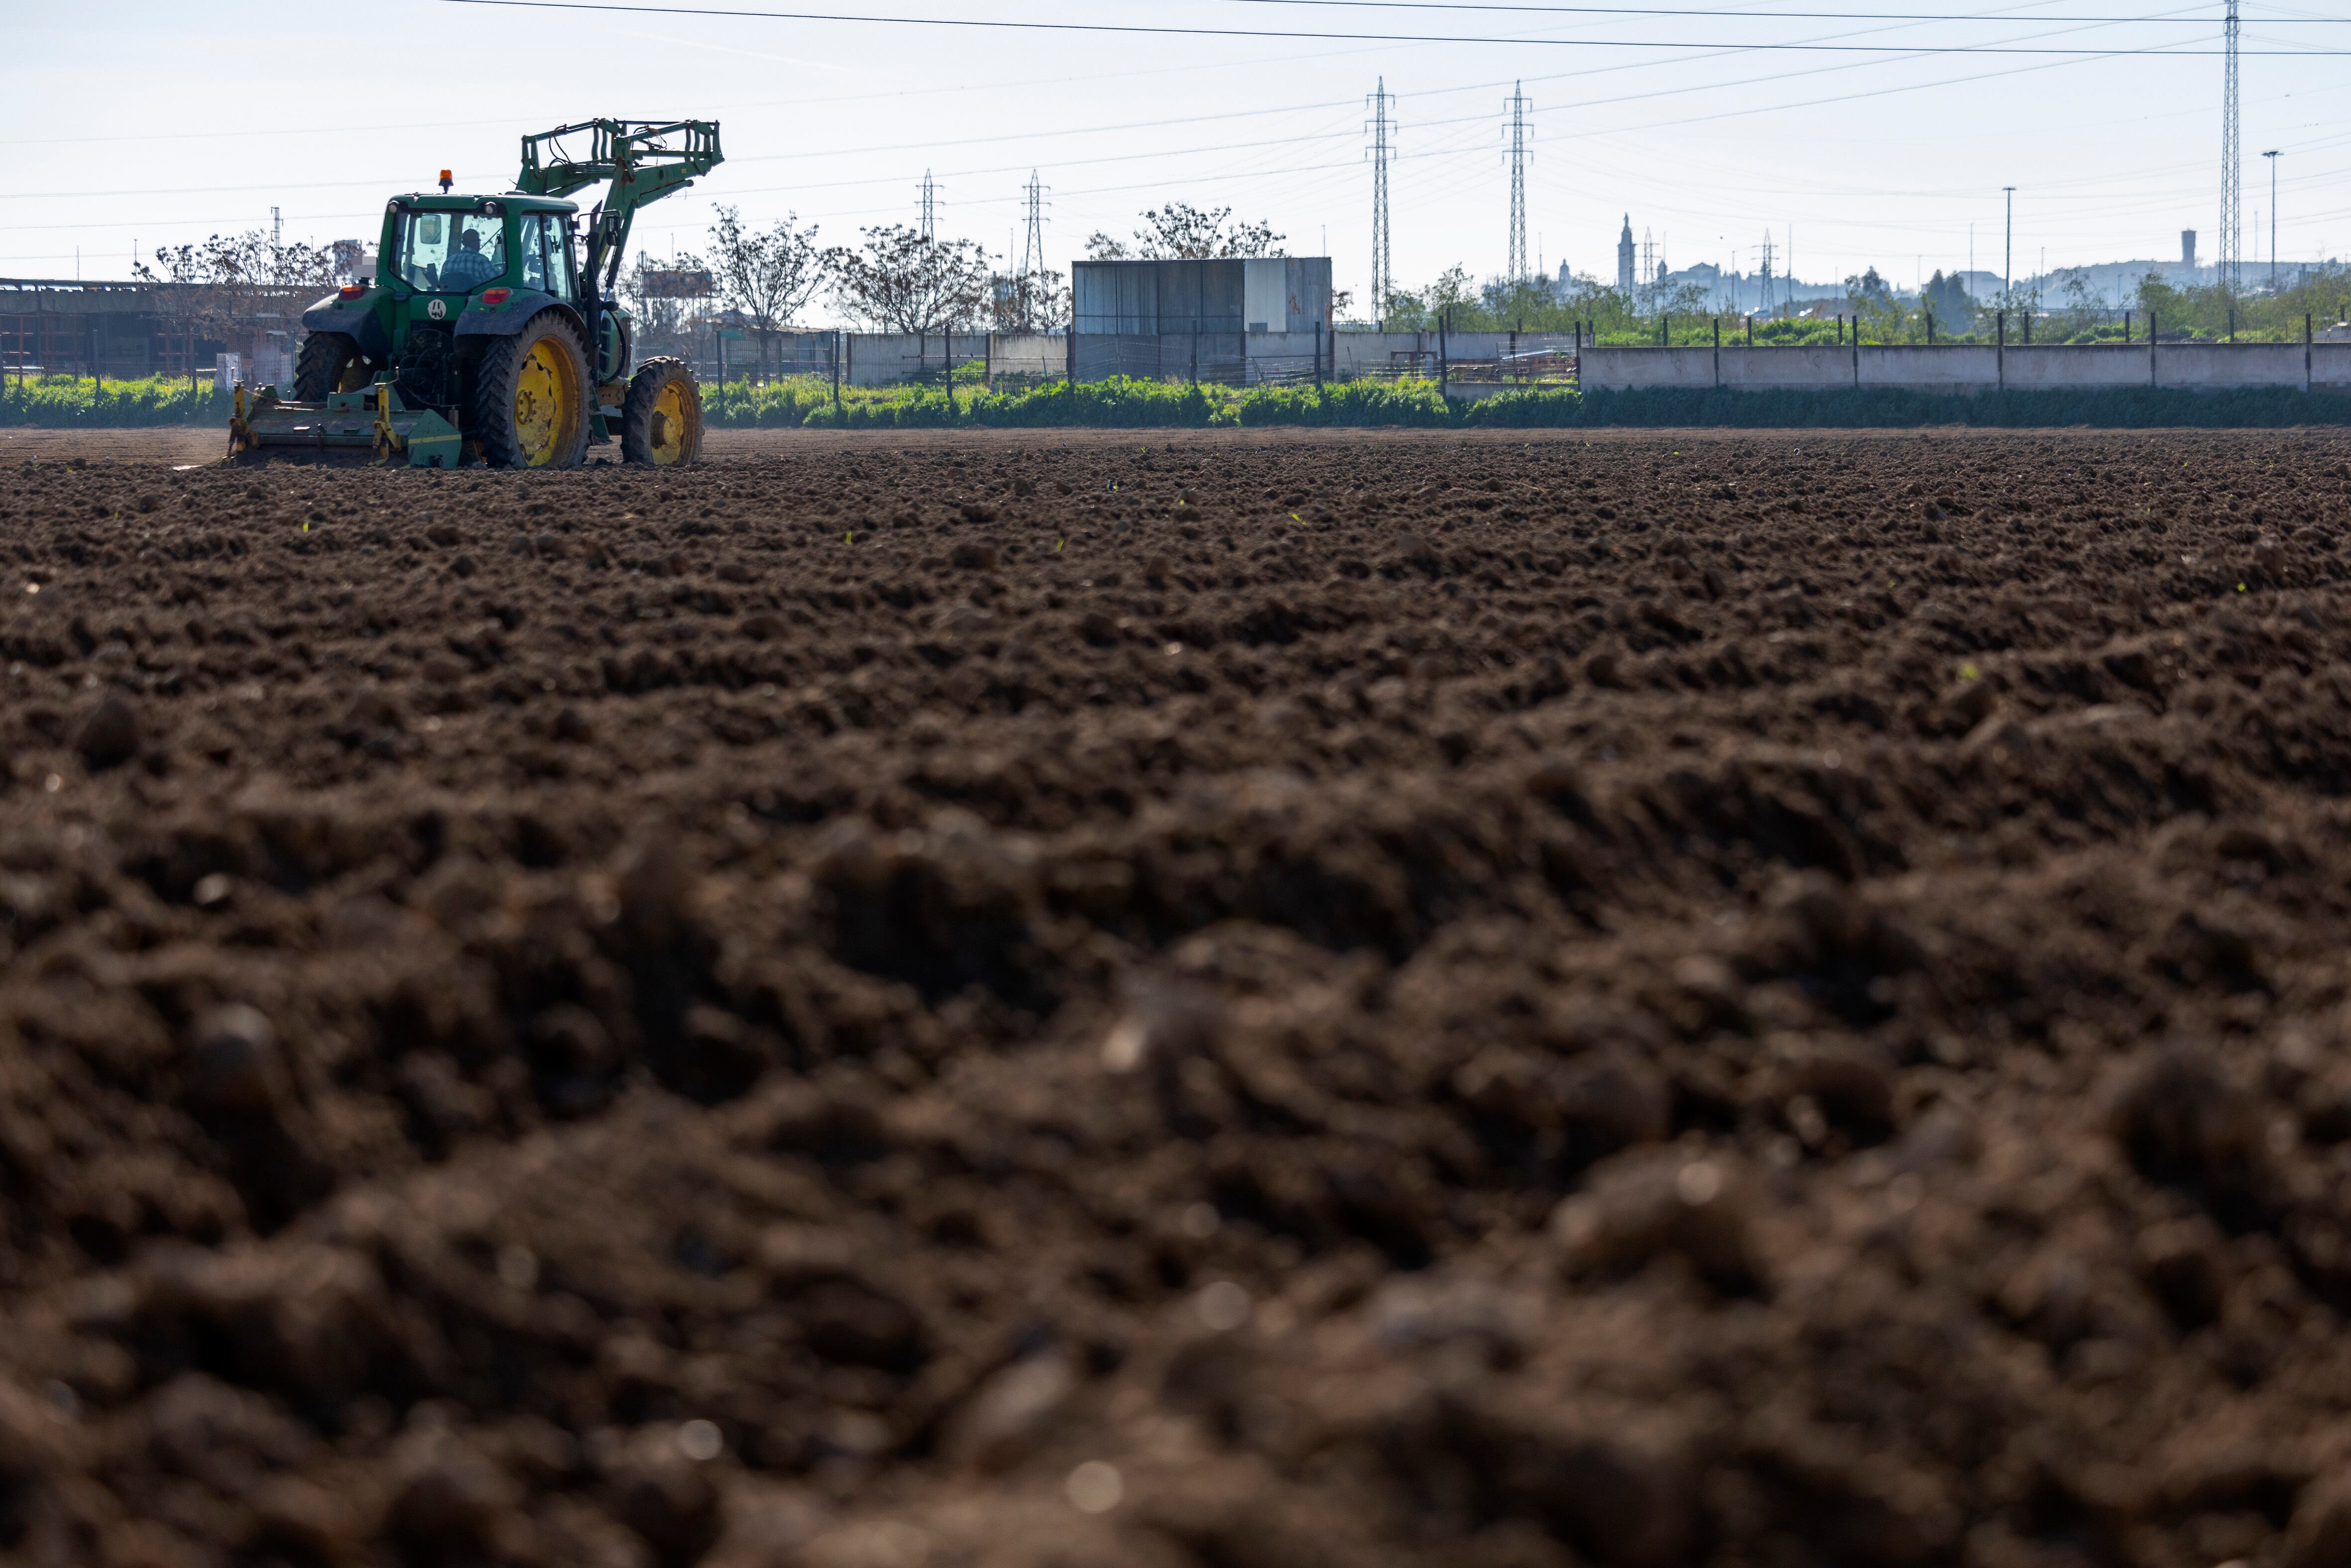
(473, 343)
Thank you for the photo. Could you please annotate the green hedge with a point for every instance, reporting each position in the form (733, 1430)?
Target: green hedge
(68, 402)
(64, 402)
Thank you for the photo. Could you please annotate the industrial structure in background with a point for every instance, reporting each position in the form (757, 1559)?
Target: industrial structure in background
(2230, 170)
(1032, 252)
(1517, 271)
(1383, 282)
(1231, 320)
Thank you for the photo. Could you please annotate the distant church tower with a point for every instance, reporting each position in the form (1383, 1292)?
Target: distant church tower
(1626, 280)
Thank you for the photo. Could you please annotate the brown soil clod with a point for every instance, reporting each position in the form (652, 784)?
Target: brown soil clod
(1623, 1000)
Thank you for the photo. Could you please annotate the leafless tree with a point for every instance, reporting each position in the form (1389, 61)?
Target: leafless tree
(1033, 302)
(767, 276)
(1182, 232)
(902, 282)
(219, 288)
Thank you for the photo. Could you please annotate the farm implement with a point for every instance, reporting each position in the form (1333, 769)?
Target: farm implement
(472, 343)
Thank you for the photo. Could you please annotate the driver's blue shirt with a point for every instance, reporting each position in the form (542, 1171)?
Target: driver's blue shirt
(466, 268)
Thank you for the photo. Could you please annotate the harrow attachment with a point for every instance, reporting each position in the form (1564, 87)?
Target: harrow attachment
(366, 428)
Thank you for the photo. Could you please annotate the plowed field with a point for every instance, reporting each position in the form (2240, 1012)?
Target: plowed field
(1268, 1001)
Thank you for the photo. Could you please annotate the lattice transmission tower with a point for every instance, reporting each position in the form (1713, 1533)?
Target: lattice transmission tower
(1517, 104)
(1382, 129)
(2231, 205)
(930, 206)
(1033, 251)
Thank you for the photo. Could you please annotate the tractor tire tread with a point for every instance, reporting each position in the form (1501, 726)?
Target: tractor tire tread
(637, 409)
(320, 365)
(490, 410)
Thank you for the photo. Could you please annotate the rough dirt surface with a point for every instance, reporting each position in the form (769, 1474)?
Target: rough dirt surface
(1265, 1002)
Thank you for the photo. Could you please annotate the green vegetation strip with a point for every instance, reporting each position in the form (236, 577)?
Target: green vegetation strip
(807, 401)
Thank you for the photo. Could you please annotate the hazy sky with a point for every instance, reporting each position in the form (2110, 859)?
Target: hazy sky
(138, 123)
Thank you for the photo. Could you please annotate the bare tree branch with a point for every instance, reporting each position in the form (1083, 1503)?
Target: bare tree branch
(769, 276)
(902, 282)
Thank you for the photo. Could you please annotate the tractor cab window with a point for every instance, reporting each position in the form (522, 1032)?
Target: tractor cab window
(452, 253)
(560, 280)
(533, 239)
(546, 254)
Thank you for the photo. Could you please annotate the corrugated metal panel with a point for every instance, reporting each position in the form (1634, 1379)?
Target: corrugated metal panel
(1151, 298)
(1268, 307)
(1307, 283)
(1117, 297)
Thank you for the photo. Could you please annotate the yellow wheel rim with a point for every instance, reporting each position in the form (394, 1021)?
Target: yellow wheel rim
(547, 396)
(668, 429)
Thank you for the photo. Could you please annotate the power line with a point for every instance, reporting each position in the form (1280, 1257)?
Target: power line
(1128, 28)
(1753, 15)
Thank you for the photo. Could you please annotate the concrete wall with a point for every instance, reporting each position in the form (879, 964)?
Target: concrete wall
(1775, 369)
(2043, 366)
(1623, 370)
(1951, 368)
(1970, 368)
(2213, 366)
(874, 359)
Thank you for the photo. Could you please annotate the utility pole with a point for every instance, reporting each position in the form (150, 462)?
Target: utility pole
(276, 229)
(2273, 156)
(2232, 198)
(1381, 285)
(1764, 278)
(1518, 108)
(930, 198)
(2008, 249)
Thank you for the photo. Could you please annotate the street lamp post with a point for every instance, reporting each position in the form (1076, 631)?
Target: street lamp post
(2008, 248)
(2273, 156)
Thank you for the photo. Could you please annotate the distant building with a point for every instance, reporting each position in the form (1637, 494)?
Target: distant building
(1625, 271)
(1188, 317)
(2188, 249)
(128, 330)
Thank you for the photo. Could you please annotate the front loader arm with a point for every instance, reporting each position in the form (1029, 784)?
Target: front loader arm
(644, 159)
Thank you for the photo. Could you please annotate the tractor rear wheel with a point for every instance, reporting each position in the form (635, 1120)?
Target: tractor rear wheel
(529, 406)
(660, 423)
(328, 362)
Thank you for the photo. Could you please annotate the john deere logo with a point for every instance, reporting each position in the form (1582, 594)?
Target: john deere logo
(437, 309)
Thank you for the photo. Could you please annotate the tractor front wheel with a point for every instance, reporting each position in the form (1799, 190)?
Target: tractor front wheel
(328, 362)
(531, 397)
(660, 423)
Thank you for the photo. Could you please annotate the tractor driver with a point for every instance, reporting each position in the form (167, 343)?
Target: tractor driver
(467, 266)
